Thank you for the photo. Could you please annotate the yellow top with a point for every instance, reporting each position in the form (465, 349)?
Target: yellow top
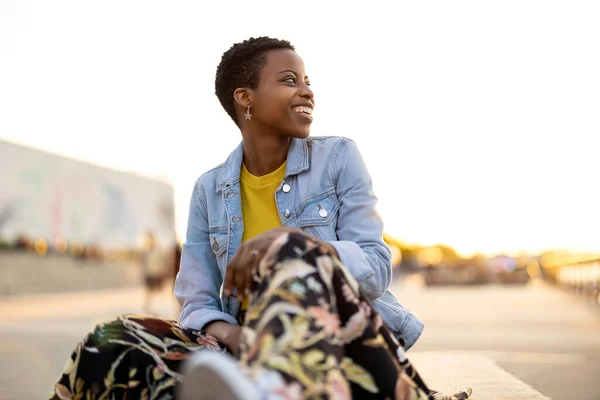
(259, 209)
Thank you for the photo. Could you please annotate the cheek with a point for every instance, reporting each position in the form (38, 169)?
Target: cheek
(275, 108)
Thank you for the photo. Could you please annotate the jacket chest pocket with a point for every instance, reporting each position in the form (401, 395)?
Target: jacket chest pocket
(218, 244)
(318, 216)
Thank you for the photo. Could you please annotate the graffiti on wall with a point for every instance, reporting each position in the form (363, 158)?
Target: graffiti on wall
(47, 196)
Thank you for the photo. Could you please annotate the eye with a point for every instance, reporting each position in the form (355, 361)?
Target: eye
(307, 83)
(290, 79)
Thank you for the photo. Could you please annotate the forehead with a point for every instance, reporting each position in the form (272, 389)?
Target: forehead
(281, 60)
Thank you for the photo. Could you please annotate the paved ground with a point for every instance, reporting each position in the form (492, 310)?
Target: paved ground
(544, 336)
(37, 333)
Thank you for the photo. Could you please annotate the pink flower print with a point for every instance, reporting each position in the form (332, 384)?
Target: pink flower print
(365, 308)
(292, 391)
(355, 326)
(349, 294)
(337, 386)
(324, 319)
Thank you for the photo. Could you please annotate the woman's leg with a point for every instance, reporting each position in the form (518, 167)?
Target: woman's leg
(134, 356)
(309, 331)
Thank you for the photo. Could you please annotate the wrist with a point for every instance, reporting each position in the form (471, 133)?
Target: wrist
(215, 328)
(223, 331)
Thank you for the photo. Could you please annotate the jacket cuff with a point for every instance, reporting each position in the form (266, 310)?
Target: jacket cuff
(354, 259)
(414, 335)
(197, 320)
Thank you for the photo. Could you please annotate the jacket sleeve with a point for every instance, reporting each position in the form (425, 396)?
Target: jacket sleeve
(359, 228)
(198, 283)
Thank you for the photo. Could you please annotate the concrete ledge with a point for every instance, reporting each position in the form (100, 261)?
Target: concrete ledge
(26, 273)
(448, 372)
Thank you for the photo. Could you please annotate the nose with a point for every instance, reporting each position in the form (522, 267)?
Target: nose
(306, 92)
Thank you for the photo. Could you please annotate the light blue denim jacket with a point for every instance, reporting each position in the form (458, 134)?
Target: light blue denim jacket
(326, 192)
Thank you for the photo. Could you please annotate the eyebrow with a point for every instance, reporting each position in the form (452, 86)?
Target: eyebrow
(292, 71)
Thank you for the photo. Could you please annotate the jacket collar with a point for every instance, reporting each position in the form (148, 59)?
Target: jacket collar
(297, 161)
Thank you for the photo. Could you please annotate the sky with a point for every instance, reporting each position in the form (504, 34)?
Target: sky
(478, 121)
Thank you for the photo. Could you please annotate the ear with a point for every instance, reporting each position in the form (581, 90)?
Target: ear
(243, 97)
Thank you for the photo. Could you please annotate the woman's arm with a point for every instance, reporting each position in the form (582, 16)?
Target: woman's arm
(359, 228)
(198, 283)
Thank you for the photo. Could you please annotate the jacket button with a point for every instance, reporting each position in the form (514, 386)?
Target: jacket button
(286, 188)
(215, 245)
(323, 213)
(287, 213)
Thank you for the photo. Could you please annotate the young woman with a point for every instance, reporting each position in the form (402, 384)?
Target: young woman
(284, 266)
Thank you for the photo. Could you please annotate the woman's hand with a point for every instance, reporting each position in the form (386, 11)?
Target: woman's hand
(245, 262)
(226, 333)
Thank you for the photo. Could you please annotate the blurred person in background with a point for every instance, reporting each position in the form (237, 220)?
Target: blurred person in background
(176, 259)
(153, 268)
(23, 242)
(284, 272)
(175, 270)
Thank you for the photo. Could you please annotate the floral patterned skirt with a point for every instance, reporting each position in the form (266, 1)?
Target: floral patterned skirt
(308, 334)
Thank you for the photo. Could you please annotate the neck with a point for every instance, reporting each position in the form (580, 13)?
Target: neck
(264, 154)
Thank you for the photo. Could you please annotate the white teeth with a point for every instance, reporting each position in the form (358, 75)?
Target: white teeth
(304, 110)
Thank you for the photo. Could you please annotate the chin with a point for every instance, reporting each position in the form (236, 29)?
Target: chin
(303, 135)
(300, 133)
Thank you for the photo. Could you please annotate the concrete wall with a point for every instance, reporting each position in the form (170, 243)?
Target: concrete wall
(46, 196)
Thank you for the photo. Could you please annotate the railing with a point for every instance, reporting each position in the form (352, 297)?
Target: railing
(582, 277)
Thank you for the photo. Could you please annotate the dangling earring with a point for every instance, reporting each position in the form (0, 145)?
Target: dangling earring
(248, 115)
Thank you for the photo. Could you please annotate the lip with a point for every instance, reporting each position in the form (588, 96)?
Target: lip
(305, 117)
(309, 105)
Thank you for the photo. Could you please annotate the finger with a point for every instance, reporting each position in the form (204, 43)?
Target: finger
(229, 283)
(249, 272)
(239, 277)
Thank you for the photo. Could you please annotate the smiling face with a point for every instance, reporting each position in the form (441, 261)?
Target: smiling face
(282, 102)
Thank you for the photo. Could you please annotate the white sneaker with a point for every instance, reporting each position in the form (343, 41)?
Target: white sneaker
(211, 375)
